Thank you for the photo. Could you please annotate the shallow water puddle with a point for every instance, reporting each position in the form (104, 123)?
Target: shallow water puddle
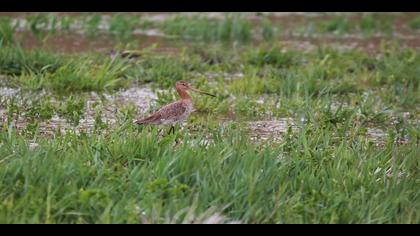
(8, 92)
(140, 98)
(110, 107)
(276, 130)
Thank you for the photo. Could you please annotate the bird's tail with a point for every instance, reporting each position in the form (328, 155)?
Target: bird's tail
(139, 122)
(147, 120)
(144, 121)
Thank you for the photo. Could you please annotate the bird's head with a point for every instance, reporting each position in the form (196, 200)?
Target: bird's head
(182, 85)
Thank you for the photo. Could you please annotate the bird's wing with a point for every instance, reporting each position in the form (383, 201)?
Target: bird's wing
(167, 112)
(172, 110)
(153, 118)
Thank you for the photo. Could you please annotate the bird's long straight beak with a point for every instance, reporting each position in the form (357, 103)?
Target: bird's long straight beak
(199, 91)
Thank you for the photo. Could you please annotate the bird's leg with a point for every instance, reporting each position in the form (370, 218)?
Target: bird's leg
(177, 141)
(172, 129)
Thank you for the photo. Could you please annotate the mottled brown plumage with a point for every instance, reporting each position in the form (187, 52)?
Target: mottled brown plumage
(168, 114)
(174, 113)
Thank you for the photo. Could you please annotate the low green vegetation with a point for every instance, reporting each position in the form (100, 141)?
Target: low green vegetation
(367, 25)
(14, 60)
(415, 23)
(268, 30)
(231, 28)
(373, 24)
(349, 154)
(92, 25)
(137, 177)
(122, 26)
(76, 76)
(6, 31)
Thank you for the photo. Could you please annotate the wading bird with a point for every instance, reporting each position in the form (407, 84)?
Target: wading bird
(174, 113)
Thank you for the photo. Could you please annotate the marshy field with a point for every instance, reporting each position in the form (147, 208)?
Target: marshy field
(316, 119)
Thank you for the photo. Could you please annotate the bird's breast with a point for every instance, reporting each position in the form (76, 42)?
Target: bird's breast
(189, 108)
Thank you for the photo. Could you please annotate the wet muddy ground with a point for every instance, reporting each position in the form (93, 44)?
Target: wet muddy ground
(301, 125)
(110, 106)
(272, 130)
(143, 97)
(70, 43)
(76, 41)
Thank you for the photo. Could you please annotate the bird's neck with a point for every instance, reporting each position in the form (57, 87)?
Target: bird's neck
(184, 95)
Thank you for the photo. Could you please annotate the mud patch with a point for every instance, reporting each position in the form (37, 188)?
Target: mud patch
(372, 45)
(215, 75)
(377, 136)
(108, 107)
(274, 130)
(77, 43)
(139, 97)
(303, 39)
(8, 92)
(5, 93)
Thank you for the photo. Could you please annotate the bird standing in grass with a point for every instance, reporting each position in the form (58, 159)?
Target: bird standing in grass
(174, 113)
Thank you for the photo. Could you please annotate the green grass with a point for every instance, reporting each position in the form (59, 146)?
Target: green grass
(376, 23)
(267, 70)
(122, 26)
(41, 69)
(272, 56)
(366, 24)
(234, 27)
(268, 30)
(327, 169)
(415, 23)
(338, 25)
(6, 31)
(231, 28)
(92, 25)
(66, 23)
(137, 177)
(14, 60)
(76, 76)
(41, 24)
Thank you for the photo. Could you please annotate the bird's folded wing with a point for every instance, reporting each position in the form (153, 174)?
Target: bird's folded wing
(172, 110)
(153, 118)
